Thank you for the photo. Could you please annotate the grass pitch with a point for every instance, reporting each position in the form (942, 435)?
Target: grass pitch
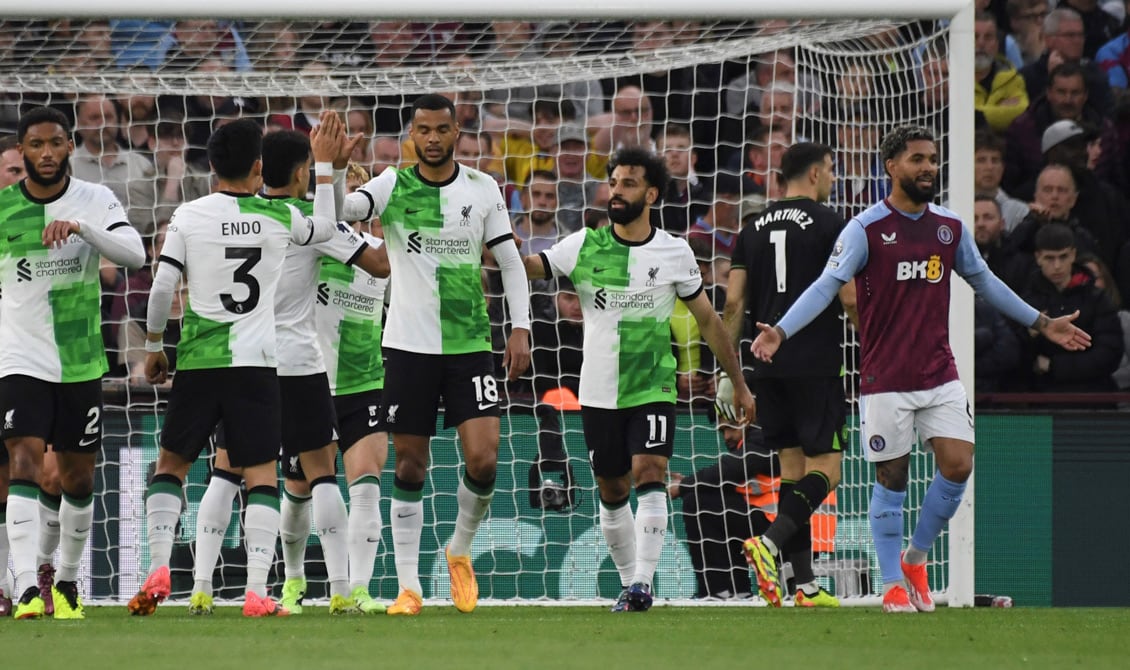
(689, 638)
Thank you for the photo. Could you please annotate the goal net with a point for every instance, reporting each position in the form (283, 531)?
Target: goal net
(145, 94)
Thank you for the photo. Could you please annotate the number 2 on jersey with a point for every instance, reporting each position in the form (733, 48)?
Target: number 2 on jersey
(242, 275)
(777, 239)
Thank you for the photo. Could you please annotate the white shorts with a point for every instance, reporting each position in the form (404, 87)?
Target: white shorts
(890, 419)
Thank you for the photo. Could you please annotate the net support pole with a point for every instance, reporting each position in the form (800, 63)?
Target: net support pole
(960, 180)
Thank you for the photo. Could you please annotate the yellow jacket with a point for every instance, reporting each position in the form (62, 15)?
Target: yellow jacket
(1006, 84)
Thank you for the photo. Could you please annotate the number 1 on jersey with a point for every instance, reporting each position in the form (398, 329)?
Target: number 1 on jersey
(777, 239)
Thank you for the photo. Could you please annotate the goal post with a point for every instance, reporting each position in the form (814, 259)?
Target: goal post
(532, 555)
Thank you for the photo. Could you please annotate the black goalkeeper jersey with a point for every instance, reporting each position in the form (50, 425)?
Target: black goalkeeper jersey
(782, 252)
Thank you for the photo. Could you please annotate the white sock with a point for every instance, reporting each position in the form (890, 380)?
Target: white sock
(619, 531)
(23, 535)
(76, 515)
(364, 529)
(294, 527)
(407, 520)
(162, 511)
(5, 552)
(331, 522)
(651, 529)
(48, 531)
(212, 521)
(261, 530)
(473, 506)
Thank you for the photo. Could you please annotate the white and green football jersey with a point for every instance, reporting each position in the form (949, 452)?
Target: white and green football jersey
(50, 316)
(627, 291)
(348, 311)
(231, 249)
(435, 234)
(294, 303)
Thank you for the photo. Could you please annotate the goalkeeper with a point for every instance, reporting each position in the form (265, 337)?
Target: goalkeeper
(725, 502)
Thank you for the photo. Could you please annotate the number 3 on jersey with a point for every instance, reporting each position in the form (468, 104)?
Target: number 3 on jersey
(242, 275)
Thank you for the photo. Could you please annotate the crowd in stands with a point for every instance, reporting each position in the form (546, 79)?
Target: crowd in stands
(1052, 154)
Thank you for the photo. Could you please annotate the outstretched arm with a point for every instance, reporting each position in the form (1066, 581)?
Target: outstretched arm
(734, 312)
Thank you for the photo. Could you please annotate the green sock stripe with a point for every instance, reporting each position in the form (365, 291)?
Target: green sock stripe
(787, 481)
(264, 500)
(163, 487)
(83, 501)
(24, 491)
(476, 487)
(365, 479)
(821, 475)
(50, 500)
(294, 498)
(407, 496)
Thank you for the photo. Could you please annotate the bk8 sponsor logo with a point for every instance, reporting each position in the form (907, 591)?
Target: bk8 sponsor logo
(931, 270)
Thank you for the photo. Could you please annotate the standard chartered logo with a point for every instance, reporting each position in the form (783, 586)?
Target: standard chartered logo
(604, 299)
(418, 244)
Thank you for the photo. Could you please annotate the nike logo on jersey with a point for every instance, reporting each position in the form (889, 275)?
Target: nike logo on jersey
(652, 445)
(486, 405)
(87, 443)
(372, 422)
(13, 238)
(412, 210)
(598, 270)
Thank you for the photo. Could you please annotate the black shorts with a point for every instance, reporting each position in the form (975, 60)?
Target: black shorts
(613, 436)
(308, 419)
(66, 415)
(246, 399)
(807, 412)
(414, 384)
(358, 415)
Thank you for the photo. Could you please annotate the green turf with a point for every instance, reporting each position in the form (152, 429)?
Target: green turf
(582, 637)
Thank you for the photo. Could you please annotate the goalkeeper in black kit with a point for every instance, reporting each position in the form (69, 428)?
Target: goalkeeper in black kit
(723, 503)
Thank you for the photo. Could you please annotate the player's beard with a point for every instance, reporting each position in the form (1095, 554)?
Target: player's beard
(628, 214)
(444, 160)
(917, 194)
(60, 172)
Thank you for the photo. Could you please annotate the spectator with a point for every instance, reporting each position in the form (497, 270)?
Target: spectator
(862, 178)
(1099, 26)
(100, 159)
(997, 348)
(475, 150)
(303, 116)
(763, 161)
(695, 360)
(1056, 195)
(744, 94)
(139, 116)
(11, 161)
(386, 153)
(994, 244)
(725, 502)
(628, 125)
(1000, 95)
(537, 230)
(686, 196)
(1064, 40)
(1114, 59)
(524, 148)
(177, 181)
(719, 225)
(572, 150)
(1026, 21)
(190, 42)
(1061, 287)
(360, 120)
(988, 170)
(1099, 207)
(1066, 99)
(1105, 281)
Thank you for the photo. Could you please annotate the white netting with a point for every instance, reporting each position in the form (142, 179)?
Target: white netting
(743, 90)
